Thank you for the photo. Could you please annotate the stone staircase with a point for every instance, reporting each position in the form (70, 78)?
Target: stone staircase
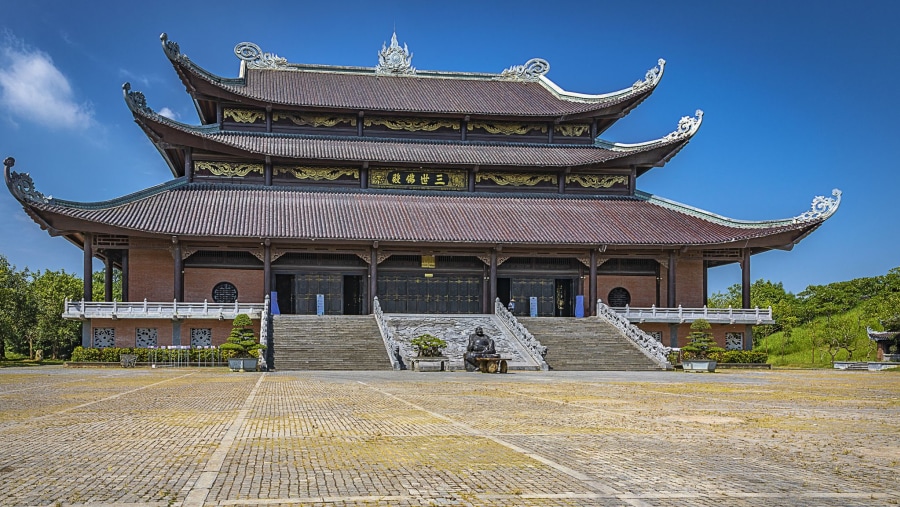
(586, 344)
(310, 342)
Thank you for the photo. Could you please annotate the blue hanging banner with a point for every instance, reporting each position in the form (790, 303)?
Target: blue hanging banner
(273, 304)
(320, 304)
(579, 307)
(532, 306)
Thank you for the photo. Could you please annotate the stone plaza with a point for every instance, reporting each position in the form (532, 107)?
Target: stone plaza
(196, 437)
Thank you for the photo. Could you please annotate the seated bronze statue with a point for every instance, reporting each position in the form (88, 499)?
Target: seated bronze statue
(480, 345)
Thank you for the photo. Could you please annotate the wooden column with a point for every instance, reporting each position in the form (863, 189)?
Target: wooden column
(124, 275)
(464, 128)
(670, 296)
(745, 278)
(267, 169)
(267, 268)
(359, 125)
(88, 266)
(493, 282)
(592, 284)
(179, 271)
(373, 278)
(705, 282)
(189, 164)
(269, 119)
(107, 278)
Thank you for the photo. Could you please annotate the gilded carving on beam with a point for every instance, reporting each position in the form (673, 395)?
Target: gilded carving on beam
(411, 124)
(365, 256)
(318, 173)
(571, 130)
(501, 260)
(382, 256)
(516, 179)
(244, 115)
(314, 120)
(259, 253)
(277, 253)
(229, 170)
(508, 128)
(597, 180)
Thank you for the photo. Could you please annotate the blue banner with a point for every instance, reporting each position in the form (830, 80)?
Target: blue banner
(320, 304)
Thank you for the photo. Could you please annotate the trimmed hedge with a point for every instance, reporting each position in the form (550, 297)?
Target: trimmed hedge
(111, 354)
(740, 356)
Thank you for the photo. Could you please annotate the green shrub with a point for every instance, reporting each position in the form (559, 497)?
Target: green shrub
(739, 356)
(428, 345)
(242, 341)
(702, 344)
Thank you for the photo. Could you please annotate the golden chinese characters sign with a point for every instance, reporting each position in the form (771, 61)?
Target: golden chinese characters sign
(418, 179)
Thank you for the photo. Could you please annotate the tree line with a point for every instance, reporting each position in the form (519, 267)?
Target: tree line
(834, 316)
(31, 307)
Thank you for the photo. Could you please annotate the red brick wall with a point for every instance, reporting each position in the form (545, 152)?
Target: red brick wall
(641, 288)
(718, 331)
(151, 275)
(689, 283)
(125, 329)
(199, 283)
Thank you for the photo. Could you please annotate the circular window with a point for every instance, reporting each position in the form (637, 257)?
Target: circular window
(619, 297)
(224, 292)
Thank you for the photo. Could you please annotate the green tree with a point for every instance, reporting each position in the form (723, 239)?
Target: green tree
(98, 285)
(17, 311)
(763, 294)
(701, 341)
(51, 332)
(242, 339)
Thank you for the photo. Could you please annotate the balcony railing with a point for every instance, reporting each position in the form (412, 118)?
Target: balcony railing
(159, 310)
(752, 316)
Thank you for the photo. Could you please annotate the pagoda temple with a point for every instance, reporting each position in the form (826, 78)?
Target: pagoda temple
(436, 192)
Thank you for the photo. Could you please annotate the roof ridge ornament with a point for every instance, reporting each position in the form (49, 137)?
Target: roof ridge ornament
(822, 207)
(394, 60)
(21, 185)
(687, 126)
(256, 58)
(652, 77)
(172, 49)
(136, 100)
(532, 70)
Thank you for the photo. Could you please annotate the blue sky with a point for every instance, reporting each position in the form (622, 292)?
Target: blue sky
(799, 98)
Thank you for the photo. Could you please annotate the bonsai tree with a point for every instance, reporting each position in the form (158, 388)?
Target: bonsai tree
(701, 343)
(428, 345)
(242, 340)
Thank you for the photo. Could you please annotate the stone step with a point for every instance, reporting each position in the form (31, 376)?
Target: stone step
(586, 344)
(309, 342)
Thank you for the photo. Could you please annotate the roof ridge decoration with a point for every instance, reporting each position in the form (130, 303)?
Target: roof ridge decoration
(394, 60)
(531, 71)
(822, 208)
(255, 58)
(21, 185)
(687, 126)
(652, 77)
(136, 100)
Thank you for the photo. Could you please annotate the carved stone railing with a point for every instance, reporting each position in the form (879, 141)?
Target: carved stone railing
(387, 334)
(264, 335)
(646, 343)
(159, 310)
(532, 346)
(752, 316)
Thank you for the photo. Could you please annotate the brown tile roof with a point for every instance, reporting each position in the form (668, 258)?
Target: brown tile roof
(221, 211)
(361, 88)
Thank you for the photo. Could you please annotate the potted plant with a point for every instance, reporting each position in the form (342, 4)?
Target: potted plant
(429, 349)
(243, 345)
(696, 354)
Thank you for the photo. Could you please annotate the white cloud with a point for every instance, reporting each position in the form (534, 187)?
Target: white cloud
(168, 113)
(33, 89)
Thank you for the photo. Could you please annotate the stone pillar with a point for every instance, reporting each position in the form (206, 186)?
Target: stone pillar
(673, 335)
(373, 279)
(671, 301)
(107, 278)
(179, 271)
(493, 282)
(748, 337)
(86, 333)
(592, 284)
(88, 266)
(267, 268)
(124, 275)
(745, 278)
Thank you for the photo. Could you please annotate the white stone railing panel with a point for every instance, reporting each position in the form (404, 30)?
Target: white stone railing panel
(646, 343)
(159, 310)
(264, 332)
(531, 344)
(680, 315)
(387, 334)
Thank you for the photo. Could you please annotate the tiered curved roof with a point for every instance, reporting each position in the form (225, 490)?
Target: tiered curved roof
(216, 211)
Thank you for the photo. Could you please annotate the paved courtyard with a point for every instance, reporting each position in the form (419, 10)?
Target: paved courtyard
(208, 437)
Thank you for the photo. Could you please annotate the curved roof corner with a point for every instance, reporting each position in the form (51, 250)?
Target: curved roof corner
(21, 186)
(651, 79)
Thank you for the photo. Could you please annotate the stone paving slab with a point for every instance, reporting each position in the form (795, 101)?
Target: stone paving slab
(198, 436)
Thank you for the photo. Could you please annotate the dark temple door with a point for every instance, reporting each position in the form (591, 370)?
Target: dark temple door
(353, 295)
(564, 303)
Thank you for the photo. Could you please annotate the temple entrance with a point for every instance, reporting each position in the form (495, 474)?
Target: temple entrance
(563, 300)
(298, 293)
(550, 281)
(353, 295)
(439, 293)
